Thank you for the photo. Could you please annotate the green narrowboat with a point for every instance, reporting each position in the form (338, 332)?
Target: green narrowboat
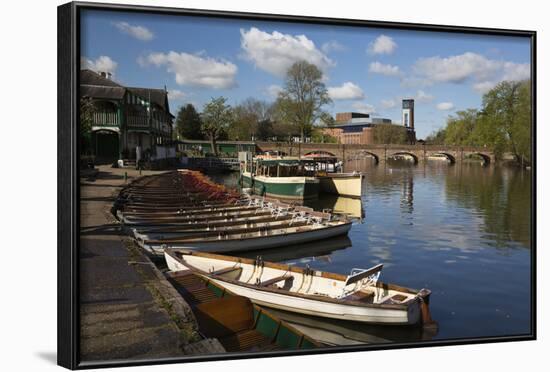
(280, 178)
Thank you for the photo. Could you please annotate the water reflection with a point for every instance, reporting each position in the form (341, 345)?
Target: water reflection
(351, 207)
(462, 230)
(335, 332)
(302, 254)
(407, 192)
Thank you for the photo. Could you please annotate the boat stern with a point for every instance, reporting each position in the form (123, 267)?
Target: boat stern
(426, 317)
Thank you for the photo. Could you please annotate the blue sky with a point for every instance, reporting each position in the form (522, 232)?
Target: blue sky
(365, 69)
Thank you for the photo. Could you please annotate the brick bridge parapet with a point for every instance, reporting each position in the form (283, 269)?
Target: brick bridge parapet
(419, 152)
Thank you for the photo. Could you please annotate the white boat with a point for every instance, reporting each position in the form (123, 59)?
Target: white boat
(356, 297)
(254, 239)
(191, 230)
(203, 216)
(326, 168)
(344, 184)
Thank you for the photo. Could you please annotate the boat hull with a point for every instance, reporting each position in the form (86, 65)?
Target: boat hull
(255, 243)
(343, 184)
(307, 306)
(405, 315)
(287, 188)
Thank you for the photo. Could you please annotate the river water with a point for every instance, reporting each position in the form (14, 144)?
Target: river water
(463, 231)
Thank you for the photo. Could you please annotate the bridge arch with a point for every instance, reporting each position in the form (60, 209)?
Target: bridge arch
(450, 157)
(319, 153)
(361, 154)
(486, 158)
(401, 153)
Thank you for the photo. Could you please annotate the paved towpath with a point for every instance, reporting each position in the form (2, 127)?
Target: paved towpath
(127, 311)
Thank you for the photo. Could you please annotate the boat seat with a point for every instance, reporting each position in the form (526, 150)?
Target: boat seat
(395, 299)
(320, 215)
(301, 209)
(272, 281)
(226, 270)
(363, 296)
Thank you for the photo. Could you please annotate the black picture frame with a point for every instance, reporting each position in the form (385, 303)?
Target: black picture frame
(68, 177)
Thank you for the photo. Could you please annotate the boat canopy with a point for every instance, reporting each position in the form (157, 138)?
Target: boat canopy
(281, 162)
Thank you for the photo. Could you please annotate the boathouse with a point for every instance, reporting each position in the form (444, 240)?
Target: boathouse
(126, 122)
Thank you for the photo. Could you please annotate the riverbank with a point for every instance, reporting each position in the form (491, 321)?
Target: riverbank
(127, 308)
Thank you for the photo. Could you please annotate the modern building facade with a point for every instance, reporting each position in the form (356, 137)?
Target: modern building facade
(358, 128)
(127, 122)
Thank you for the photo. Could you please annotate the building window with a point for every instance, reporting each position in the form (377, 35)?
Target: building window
(406, 119)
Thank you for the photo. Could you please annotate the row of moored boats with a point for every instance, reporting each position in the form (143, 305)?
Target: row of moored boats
(190, 220)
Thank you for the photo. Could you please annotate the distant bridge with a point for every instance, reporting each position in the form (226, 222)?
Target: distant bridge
(381, 153)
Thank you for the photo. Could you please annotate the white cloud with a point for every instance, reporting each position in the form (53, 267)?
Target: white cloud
(138, 32)
(423, 97)
(195, 69)
(382, 45)
(274, 90)
(176, 95)
(101, 64)
(276, 52)
(484, 86)
(516, 71)
(445, 106)
(380, 68)
(456, 69)
(348, 90)
(363, 107)
(332, 46)
(388, 103)
(485, 73)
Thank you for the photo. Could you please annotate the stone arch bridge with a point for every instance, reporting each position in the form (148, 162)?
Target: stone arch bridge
(380, 153)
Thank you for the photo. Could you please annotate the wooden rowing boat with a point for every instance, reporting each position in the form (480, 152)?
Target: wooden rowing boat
(189, 231)
(252, 239)
(235, 321)
(196, 217)
(189, 212)
(174, 227)
(356, 297)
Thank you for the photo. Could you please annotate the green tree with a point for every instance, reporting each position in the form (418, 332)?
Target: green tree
(303, 96)
(390, 134)
(248, 115)
(436, 137)
(188, 123)
(318, 136)
(282, 130)
(460, 128)
(507, 111)
(265, 131)
(503, 123)
(244, 124)
(216, 119)
(327, 120)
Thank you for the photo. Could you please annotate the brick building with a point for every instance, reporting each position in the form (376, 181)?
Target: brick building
(358, 128)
